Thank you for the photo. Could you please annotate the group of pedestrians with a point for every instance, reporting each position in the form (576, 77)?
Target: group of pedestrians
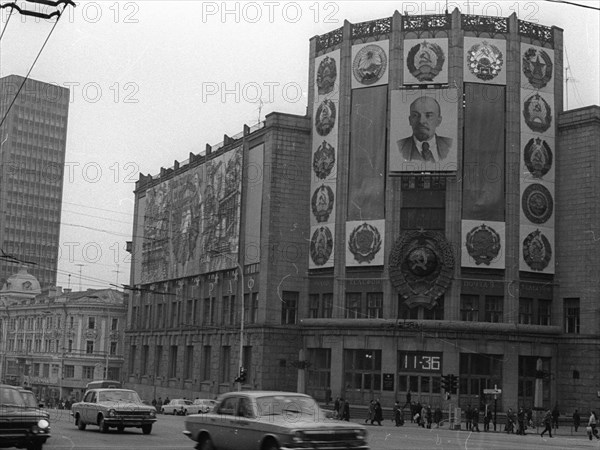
(342, 409)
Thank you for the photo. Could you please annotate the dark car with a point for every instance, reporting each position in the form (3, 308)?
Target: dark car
(21, 426)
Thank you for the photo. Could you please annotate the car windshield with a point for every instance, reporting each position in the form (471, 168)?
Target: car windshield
(119, 396)
(29, 398)
(10, 397)
(286, 404)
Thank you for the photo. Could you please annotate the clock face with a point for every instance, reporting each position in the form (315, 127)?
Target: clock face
(427, 362)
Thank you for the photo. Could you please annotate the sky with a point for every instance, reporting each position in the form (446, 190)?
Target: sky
(153, 81)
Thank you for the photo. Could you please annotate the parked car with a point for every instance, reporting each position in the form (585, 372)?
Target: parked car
(20, 425)
(203, 405)
(113, 408)
(264, 420)
(177, 406)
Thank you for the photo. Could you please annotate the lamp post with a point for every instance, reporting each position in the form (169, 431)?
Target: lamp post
(241, 354)
(4, 342)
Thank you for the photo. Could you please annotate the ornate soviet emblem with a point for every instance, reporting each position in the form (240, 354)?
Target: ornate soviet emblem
(485, 61)
(483, 244)
(321, 245)
(425, 61)
(421, 265)
(538, 157)
(537, 203)
(364, 243)
(537, 251)
(323, 160)
(537, 113)
(322, 203)
(369, 64)
(326, 75)
(325, 119)
(537, 67)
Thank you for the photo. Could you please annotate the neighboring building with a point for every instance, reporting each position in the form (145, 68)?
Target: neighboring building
(56, 342)
(403, 262)
(32, 156)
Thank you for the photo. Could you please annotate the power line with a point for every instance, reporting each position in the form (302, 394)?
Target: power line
(574, 4)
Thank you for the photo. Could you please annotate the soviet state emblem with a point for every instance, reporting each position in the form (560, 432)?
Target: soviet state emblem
(537, 113)
(323, 160)
(485, 61)
(537, 67)
(325, 118)
(538, 157)
(321, 245)
(369, 64)
(322, 203)
(537, 203)
(364, 243)
(483, 244)
(326, 75)
(537, 251)
(425, 61)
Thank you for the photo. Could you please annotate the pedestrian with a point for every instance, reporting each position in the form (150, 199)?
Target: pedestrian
(468, 417)
(346, 411)
(159, 404)
(336, 407)
(377, 413)
(154, 402)
(328, 396)
(342, 406)
(510, 421)
(521, 421)
(487, 418)
(548, 424)
(166, 400)
(437, 416)
(408, 397)
(592, 428)
(429, 416)
(475, 419)
(422, 416)
(529, 417)
(576, 420)
(398, 414)
(555, 416)
(413, 411)
(370, 412)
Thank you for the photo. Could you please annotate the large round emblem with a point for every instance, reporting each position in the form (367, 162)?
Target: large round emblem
(537, 67)
(421, 261)
(326, 75)
(485, 61)
(537, 251)
(364, 243)
(325, 119)
(538, 157)
(321, 246)
(537, 203)
(537, 113)
(324, 160)
(369, 64)
(425, 61)
(322, 203)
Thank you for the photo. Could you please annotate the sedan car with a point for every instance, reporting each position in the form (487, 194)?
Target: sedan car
(118, 408)
(177, 406)
(265, 420)
(202, 406)
(21, 426)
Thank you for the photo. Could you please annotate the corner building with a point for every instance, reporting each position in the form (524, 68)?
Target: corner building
(387, 264)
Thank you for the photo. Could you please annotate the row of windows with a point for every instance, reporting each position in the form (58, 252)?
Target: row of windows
(53, 346)
(39, 323)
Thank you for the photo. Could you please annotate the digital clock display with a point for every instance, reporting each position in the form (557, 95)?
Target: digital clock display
(420, 362)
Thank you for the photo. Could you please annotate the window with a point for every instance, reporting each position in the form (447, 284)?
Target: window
(132, 355)
(469, 308)
(253, 312)
(353, 309)
(526, 311)
(544, 312)
(113, 348)
(88, 372)
(571, 315)
(225, 364)
(91, 323)
(46, 370)
(225, 314)
(206, 362)
(114, 324)
(313, 306)
(319, 371)
(188, 365)
(327, 305)
(69, 371)
(362, 370)
(247, 361)
(172, 361)
(70, 346)
(375, 305)
(289, 307)
(144, 361)
(89, 347)
(493, 308)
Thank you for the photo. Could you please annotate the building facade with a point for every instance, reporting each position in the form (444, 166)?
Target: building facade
(422, 238)
(56, 342)
(33, 144)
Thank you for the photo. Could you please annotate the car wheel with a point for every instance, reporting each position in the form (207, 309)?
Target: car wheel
(103, 425)
(80, 423)
(147, 429)
(120, 429)
(206, 444)
(271, 445)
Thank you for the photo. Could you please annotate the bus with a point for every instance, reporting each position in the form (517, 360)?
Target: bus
(103, 384)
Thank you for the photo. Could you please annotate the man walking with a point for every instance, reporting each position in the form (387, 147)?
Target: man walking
(576, 420)
(547, 424)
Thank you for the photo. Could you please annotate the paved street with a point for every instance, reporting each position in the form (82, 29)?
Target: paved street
(167, 435)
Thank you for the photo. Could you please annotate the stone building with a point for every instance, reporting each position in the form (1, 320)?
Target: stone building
(421, 238)
(57, 341)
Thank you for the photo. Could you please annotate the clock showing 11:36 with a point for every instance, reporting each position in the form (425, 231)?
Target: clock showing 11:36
(420, 362)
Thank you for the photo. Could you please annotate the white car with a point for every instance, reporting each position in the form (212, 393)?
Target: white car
(177, 406)
(202, 406)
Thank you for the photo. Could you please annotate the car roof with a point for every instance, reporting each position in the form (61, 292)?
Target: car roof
(110, 389)
(257, 394)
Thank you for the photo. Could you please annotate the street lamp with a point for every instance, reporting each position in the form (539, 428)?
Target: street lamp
(4, 342)
(241, 372)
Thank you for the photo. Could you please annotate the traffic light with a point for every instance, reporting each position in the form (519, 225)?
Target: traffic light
(241, 378)
(453, 384)
(446, 383)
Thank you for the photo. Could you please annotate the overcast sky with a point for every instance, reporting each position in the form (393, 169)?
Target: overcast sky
(153, 81)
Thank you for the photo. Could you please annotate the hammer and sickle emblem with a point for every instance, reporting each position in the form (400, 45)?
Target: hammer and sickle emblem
(419, 260)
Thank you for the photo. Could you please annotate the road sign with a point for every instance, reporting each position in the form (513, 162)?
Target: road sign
(492, 391)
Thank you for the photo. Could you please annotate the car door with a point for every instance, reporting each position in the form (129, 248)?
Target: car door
(246, 427)
(223, 425)
(88, 406)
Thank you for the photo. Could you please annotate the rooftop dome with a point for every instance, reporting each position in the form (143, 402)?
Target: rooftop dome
(22, 283)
